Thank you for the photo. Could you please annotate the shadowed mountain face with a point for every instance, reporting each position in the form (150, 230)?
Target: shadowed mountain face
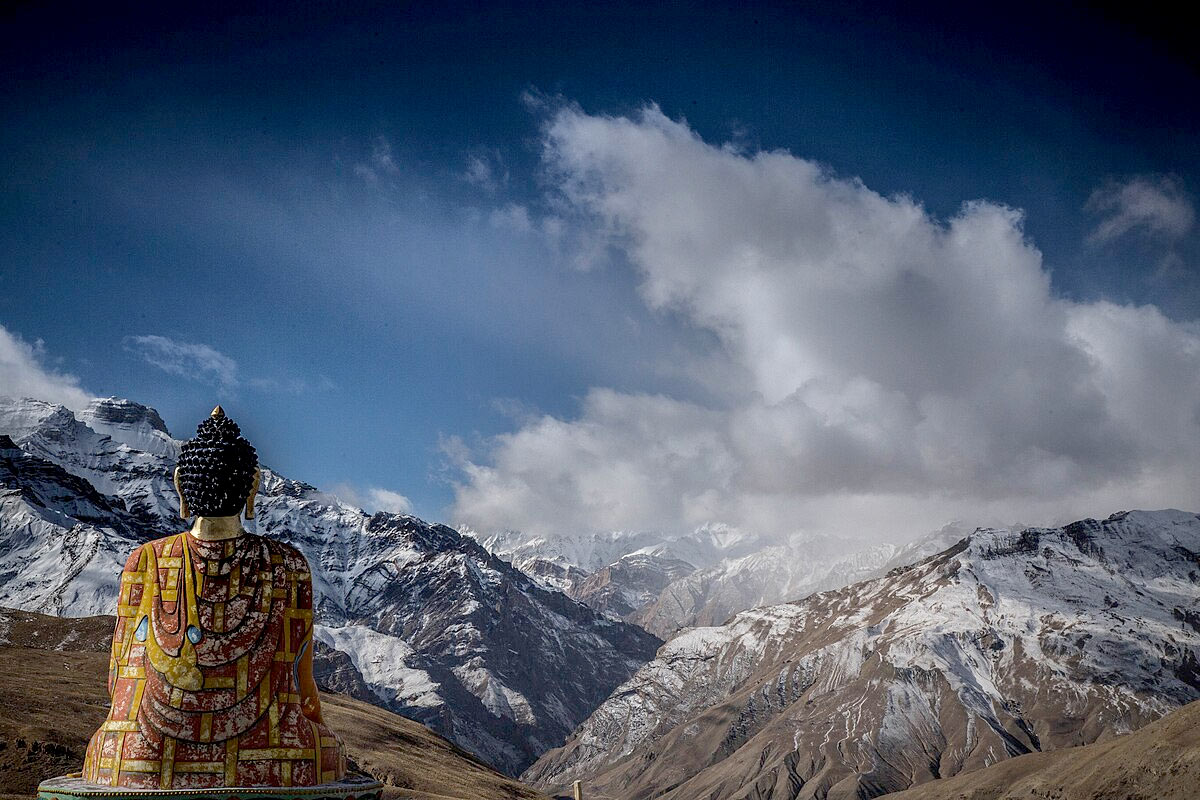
(1007, 643)
(54, 698)
(438, 629)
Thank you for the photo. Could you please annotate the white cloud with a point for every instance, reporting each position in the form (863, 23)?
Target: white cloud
(387, 500)
(292, 385)
(197, 362)
(205, 364)
(1151, 205)
(373, 499)
(23, 373)
(514, 217)
(883, 364)
(380, 164)
(486, 169)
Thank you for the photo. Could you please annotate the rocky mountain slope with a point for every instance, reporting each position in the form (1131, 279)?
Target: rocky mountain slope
(54, 697)
(1160, 761)
(630, 584)
(1009, 642)
(438, 628)
(770, 575)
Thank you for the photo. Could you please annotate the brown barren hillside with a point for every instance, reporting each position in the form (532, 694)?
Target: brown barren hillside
(52, 697)
(1159, 762)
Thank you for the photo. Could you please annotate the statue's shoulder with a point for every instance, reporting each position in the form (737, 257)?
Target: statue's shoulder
(160, 547)
(293, 559)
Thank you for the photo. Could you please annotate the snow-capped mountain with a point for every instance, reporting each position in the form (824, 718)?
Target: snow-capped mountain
(438, 628)
(1008, 642)
(117, 446)
(630, 583)
(666, 584)
(593, 551)
(773, 574)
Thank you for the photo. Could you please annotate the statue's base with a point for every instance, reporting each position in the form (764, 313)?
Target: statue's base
(351, 787)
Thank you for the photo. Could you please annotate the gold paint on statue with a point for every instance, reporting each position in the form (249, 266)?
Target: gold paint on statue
(180, 670)
(184, 511)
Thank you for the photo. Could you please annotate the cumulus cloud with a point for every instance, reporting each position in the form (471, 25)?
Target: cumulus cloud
(1149, 205)
(197, 362)
(885, 364)
(24, 373)
(373, 499)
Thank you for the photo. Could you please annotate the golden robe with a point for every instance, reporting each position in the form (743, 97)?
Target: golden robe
(211, 671)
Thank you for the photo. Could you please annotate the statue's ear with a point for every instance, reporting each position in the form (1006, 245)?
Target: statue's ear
(184, 511)
(253, 492)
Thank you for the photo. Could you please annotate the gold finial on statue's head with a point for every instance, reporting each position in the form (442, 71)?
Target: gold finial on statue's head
(217, 412)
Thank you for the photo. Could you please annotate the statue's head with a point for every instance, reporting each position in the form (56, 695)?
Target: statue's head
(218, 470)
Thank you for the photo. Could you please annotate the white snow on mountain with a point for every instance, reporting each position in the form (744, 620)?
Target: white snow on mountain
(380, 659)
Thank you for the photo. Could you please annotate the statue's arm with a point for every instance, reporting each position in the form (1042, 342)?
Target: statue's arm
(129, 597)
(310, 700)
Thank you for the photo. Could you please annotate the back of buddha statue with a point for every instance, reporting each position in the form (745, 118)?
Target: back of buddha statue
(210, 674)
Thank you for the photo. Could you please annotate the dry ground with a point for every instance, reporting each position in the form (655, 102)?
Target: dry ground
(1158, 762)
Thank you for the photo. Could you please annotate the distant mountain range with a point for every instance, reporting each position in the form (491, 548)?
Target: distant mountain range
(667, 584)
(434, 626)
(1009, 642)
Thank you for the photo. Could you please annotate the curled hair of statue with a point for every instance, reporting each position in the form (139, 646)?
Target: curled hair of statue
(216, 468)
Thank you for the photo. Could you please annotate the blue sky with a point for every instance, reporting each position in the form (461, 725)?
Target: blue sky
(359, 231)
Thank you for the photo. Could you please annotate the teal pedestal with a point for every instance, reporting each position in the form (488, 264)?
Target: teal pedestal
(352, 787)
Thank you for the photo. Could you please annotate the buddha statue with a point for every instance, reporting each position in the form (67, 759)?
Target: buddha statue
(211, 671)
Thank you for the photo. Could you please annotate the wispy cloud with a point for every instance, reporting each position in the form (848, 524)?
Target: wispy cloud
(24, 373)
(205, 364)
(196, 362)
(486, 169)
(513, 217)
(374, 498)
(1156, 205)
(381, 163)
(292, 385)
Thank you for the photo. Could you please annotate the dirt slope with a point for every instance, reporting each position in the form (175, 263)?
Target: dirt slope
(1159, 762)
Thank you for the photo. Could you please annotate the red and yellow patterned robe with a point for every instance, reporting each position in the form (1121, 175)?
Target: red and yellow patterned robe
(211, 671)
